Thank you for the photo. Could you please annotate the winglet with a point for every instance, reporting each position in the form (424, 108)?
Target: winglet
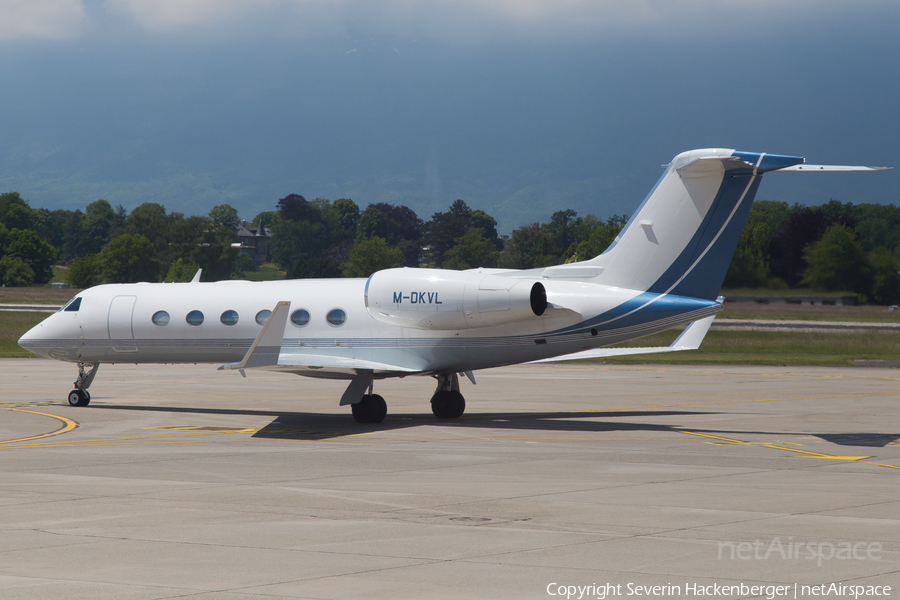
(196, 278)
(267, 346)
(692, 335)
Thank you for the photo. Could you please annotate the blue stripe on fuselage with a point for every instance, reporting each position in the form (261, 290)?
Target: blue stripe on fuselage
(643, 308)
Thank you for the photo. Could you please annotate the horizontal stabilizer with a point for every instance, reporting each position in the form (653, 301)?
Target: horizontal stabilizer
(826, 168)
(267, 346)
(689, 339)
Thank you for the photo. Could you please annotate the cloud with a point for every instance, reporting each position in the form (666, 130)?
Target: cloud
(46, 19)
(454, 20)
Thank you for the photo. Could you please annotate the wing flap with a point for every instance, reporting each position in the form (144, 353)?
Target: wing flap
(324, 361)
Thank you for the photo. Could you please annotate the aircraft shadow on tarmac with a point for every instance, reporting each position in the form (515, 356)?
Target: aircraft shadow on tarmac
(318, 426)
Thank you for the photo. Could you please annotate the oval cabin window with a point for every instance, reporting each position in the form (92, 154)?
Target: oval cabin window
(300, 317)
(229, 317)
(336, 317)
(195, 318)
(160, 318)
(263, 316)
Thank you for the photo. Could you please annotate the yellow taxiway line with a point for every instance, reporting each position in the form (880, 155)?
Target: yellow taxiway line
(68, 425)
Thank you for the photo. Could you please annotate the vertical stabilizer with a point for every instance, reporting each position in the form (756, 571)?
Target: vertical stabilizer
(682, 237)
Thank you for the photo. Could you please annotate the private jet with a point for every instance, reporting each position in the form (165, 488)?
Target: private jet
(663, 271)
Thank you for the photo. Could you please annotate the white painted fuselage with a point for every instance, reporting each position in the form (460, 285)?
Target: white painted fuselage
(114, 323)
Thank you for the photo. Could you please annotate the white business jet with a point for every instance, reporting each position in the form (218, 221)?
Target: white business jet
(664, 270)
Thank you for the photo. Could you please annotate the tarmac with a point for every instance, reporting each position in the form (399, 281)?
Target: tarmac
(185, 482)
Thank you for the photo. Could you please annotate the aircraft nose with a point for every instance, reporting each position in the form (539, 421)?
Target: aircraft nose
(34, 340)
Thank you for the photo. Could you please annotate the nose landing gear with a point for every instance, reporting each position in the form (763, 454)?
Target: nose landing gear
(80, 396)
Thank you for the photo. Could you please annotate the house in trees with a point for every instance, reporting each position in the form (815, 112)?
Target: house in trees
(255, 242)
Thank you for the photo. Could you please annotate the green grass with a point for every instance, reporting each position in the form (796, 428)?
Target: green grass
(782, 292)
(807, 312)
(772, 348)
(266, 272)
(36, 295)
(12, 326)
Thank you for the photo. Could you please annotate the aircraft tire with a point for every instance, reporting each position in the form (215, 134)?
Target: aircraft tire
(79, 398)
(371, 410)
(448, 405)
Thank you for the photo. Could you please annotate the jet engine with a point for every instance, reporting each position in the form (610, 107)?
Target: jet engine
(437, 299)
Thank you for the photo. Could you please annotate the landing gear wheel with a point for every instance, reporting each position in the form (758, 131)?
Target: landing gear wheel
(372, 409)
(79, 398)
(447, 404)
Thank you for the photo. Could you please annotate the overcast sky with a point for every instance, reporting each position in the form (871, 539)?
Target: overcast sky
(519, 107)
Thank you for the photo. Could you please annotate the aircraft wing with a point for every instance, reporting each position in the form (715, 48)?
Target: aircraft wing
(337, 364)
(265, 353)
(689, 339)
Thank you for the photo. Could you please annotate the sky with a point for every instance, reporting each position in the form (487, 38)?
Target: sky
(519, 107)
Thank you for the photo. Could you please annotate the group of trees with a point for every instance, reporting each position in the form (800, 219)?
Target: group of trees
(150, 244)
(321, 238)
(833, 247)
(107, 245)
(26, 257)
(566, 238)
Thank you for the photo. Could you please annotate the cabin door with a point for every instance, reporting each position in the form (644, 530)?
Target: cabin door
(121, 333)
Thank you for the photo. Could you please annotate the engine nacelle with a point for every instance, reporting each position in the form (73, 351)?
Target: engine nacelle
(438, 299)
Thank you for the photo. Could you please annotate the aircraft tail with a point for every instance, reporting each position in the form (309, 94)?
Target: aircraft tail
(682, 237)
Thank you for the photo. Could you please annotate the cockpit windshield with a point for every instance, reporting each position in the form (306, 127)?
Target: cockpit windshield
(72, 305)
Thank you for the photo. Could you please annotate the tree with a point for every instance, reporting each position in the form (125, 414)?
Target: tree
(529, 246)
(151, 221)
(180, 271)
(445, 228)
(599, 238)
(316, 267)
(25, 244)
(562, 229)
(803, 227)
(74, 243)
(224, 220)
(295, 207)
(750, 265)
(128, 259)
(15, 212)
(370, 255)
(399, 226)
(267, 217)
(471, 250)
(348, 214)
(15, 272)
(84, 272)
(98, 225)
(885, 279)
(837, 262)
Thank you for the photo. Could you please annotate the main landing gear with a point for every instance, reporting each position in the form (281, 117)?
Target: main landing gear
(448, 402)
(80, 396)
(371, 409)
